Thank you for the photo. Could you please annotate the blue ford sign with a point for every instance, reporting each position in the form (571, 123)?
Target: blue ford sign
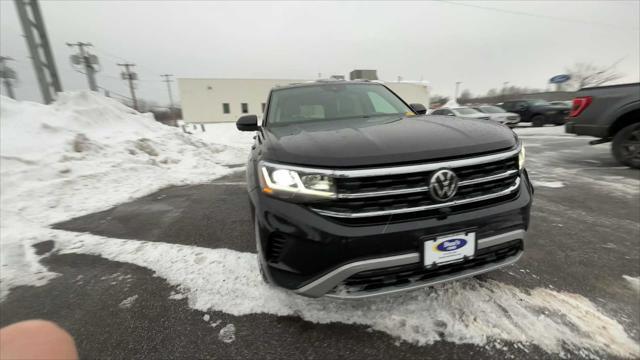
(559, 79)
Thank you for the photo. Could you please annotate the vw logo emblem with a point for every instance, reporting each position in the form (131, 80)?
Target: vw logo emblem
(443, 185)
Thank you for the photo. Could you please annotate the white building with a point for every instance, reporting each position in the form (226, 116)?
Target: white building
(225, 100)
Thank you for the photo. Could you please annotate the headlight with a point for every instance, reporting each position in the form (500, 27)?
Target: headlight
(299, 184)
(521, 157)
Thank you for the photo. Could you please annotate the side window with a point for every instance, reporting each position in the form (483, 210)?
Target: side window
(264, 105)
(245, 108)
(437, 112)
(380, 105)
(225, 108)
(508, 106)
(448, 112)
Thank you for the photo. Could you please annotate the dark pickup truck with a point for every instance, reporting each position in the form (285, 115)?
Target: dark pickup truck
(355, 193)
(610, 113)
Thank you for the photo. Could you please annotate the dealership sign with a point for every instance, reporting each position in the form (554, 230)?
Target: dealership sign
(559, 79)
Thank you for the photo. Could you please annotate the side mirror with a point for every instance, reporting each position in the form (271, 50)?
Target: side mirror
(247, 123)
(419, 109)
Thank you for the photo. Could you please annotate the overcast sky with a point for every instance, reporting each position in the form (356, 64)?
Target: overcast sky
(442, 42)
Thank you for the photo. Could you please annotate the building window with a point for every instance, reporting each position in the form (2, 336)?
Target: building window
(264, 105)
(245, 108)
(225, 108)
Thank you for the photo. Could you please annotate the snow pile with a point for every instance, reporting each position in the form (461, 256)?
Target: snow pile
(225, 134)
(227, 334)
(82, 154)
(54, 157)
(128, 302)
(633, 282)
(467, 311)
(548, 184)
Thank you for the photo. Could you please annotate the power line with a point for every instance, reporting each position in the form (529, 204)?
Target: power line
(556, 18)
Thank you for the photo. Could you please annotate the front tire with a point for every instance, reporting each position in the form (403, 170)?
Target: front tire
(626, 146)
(538, 120)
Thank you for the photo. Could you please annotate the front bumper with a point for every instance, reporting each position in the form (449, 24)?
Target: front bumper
(313, 255)
(325, 284)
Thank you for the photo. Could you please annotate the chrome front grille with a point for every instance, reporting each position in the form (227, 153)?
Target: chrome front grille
(380, 194)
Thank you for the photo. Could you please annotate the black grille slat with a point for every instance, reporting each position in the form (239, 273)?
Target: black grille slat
(275, 246)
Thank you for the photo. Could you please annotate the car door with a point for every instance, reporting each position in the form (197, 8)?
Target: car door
(518, 107)
(524, 110)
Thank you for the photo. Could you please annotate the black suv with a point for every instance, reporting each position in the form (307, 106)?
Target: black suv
(355, 193)
(537, 112)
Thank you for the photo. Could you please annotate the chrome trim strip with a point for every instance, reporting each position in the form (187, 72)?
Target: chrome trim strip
(405, 169)
(327, 282)
(424, 188)
(501, 238)
(420, 208)
(433, 281)
(322, 285)
(488, 178)
(382, 193)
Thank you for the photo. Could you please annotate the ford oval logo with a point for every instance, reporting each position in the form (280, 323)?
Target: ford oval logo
(453, 244)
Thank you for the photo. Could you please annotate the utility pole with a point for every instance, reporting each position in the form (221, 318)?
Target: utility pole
(38, 44)
(127, 74)
(88, 60)
(457, 88)
(169, 81)
(7, 75)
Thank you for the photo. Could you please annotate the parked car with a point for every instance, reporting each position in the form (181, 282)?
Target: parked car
(355, 193)
(499, 114)
(537, 112)
(462, 111)
(610, 113)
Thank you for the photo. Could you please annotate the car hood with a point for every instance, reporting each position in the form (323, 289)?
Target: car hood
(387, 140)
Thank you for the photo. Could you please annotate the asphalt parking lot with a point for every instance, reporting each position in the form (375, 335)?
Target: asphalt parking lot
(584, 237)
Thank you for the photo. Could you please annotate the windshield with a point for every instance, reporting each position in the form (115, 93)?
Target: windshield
(491, 109)
(538, 102)
(332, 102)
(465, 111)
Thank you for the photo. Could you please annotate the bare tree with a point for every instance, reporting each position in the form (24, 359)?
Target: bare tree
(465, 96)
(492, 93)
(587, 74)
